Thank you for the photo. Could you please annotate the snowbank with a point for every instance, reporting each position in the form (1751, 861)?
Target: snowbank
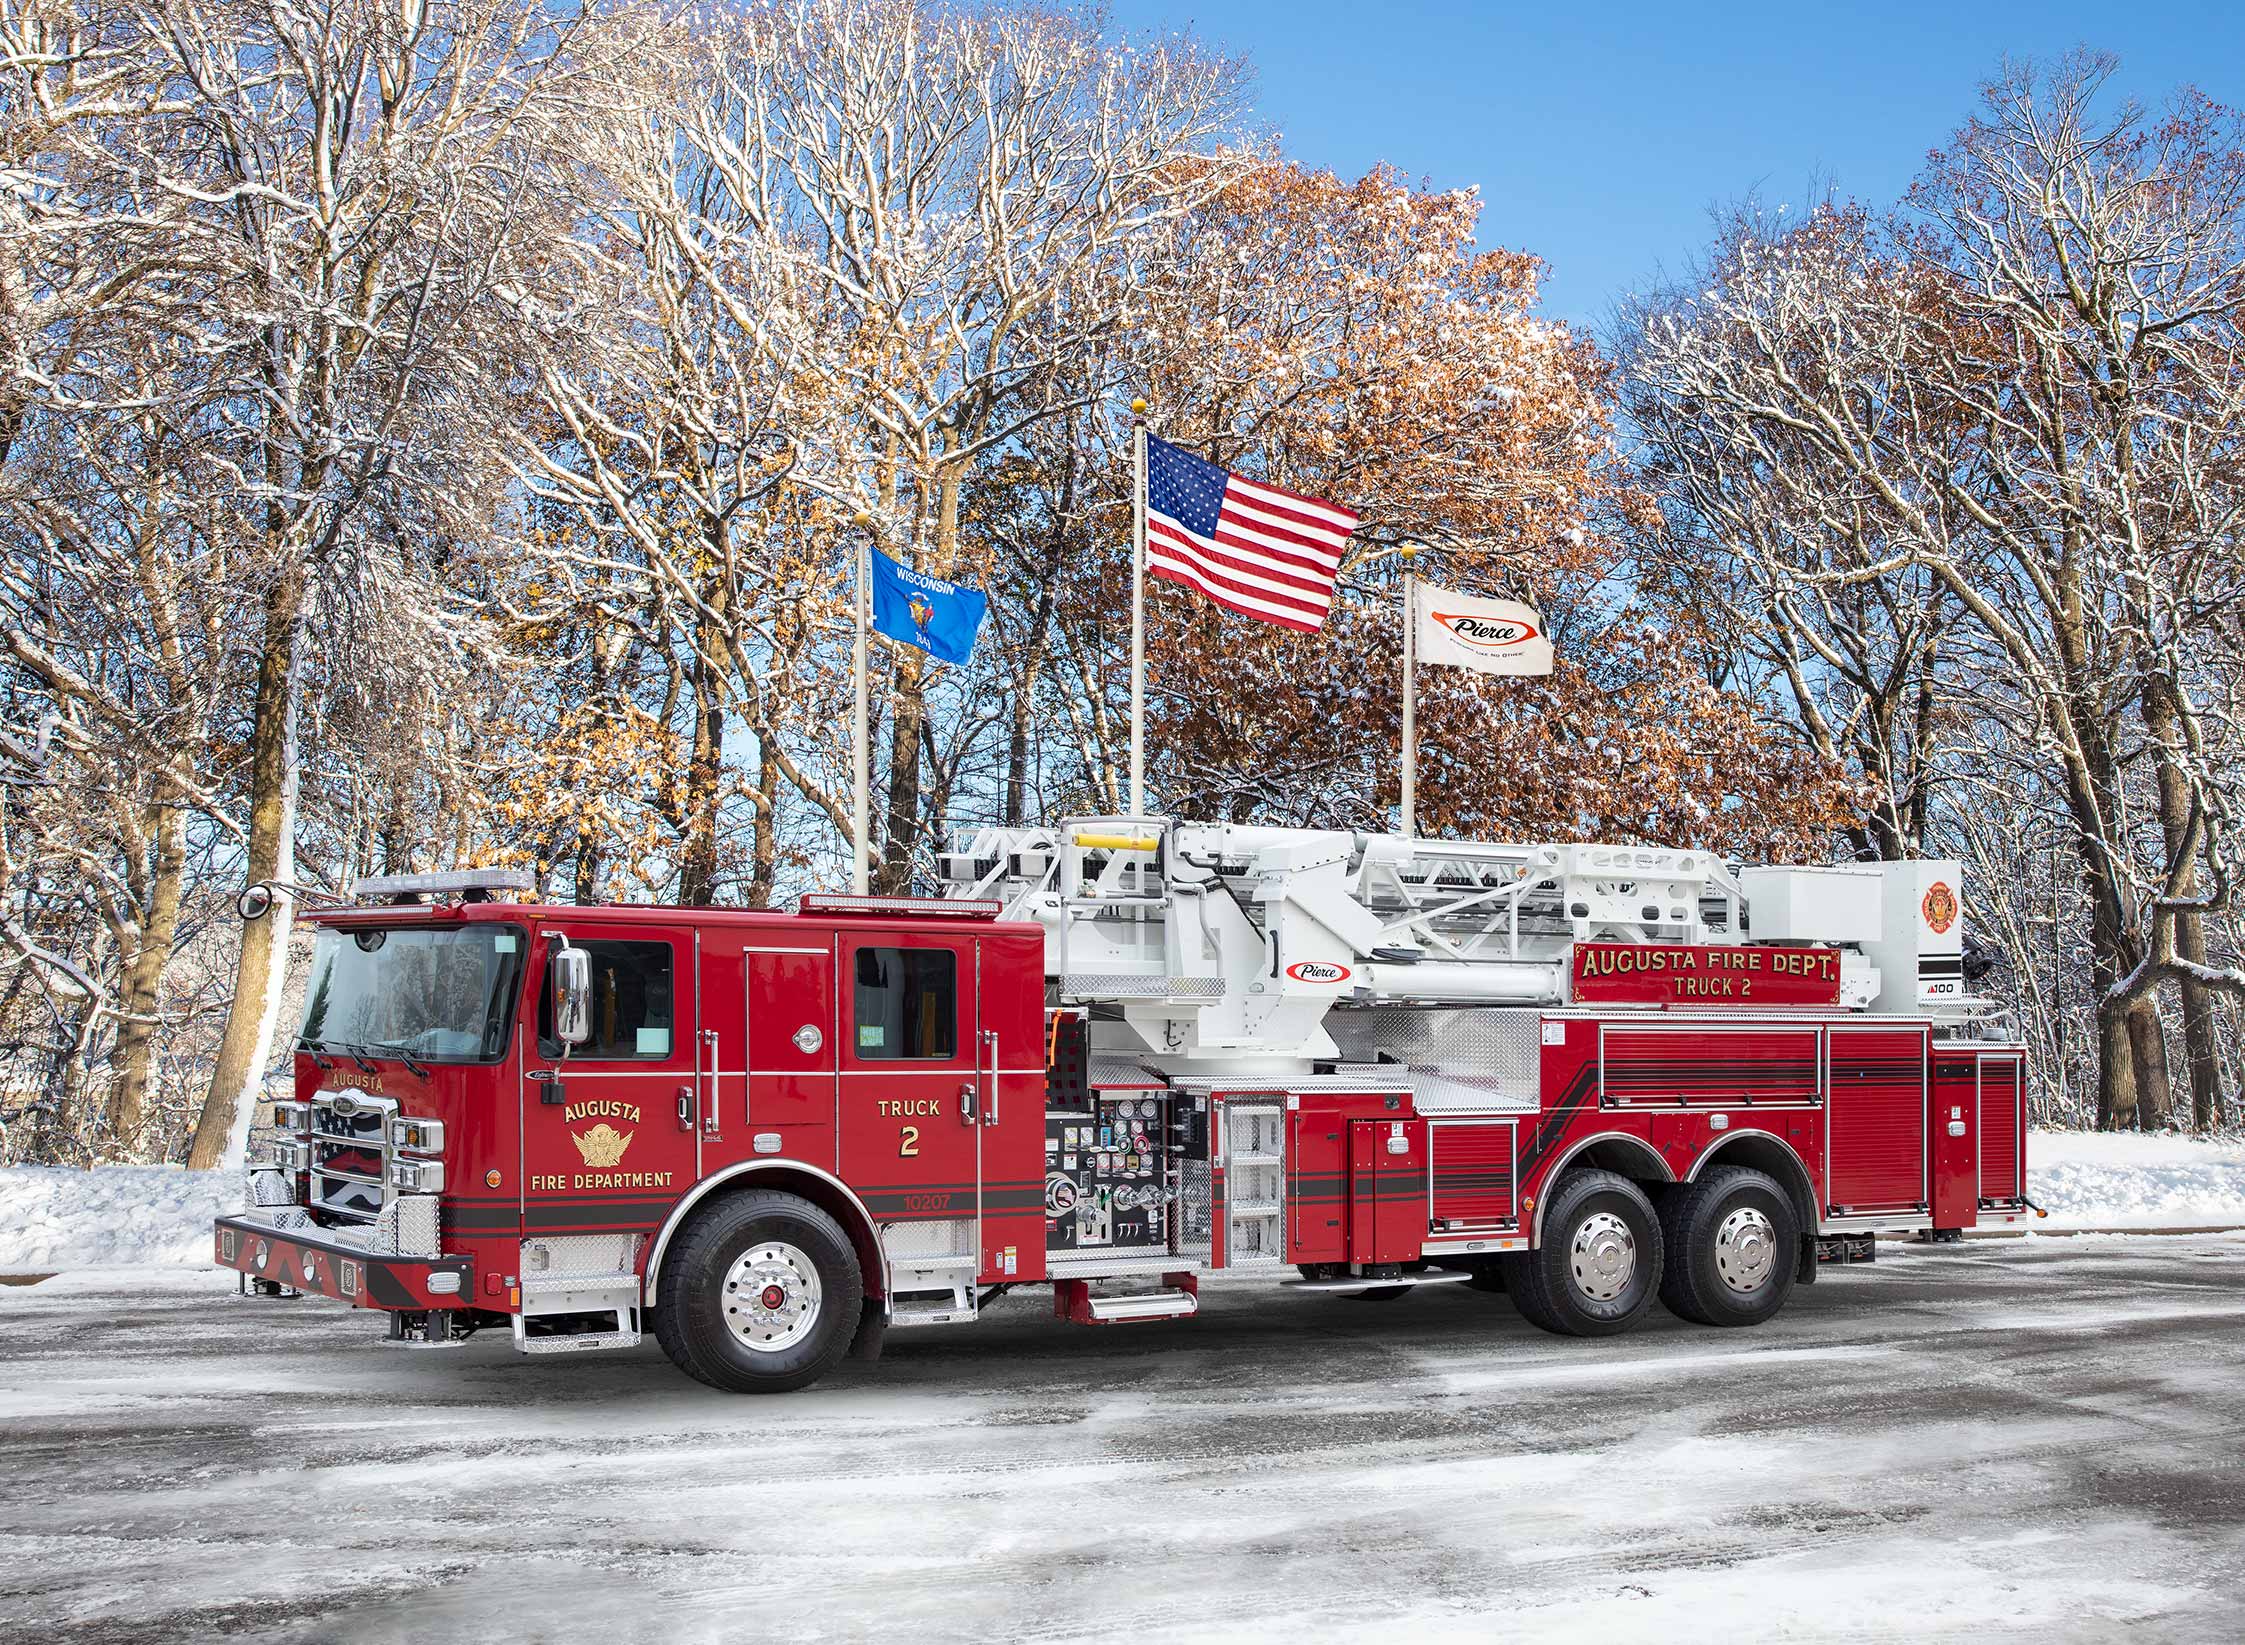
(133, 1215)
(2128, 1180)
(111, 1217)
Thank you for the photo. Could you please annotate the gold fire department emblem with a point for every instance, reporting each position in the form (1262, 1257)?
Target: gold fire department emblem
(603, 1145)
(1940, 907)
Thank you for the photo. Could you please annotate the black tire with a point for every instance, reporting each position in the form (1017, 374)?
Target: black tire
(1738, 1278)
(1615, 1219)
(693, 1304)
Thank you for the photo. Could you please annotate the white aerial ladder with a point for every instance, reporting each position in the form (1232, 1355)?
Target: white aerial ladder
(1223, 948)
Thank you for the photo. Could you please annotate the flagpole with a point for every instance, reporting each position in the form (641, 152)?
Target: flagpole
(861, 860)
(1410, 692)
(1138, 608)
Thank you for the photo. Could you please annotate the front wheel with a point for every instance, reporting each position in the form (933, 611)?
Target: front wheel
(1598, 1268)
(760, 1296)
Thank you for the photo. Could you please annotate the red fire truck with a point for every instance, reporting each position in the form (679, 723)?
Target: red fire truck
(1113, 1057)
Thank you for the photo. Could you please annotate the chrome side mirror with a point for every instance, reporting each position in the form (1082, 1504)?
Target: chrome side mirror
(569, 985)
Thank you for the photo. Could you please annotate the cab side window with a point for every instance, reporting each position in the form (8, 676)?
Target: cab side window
(907, 1004)
(632, 1004)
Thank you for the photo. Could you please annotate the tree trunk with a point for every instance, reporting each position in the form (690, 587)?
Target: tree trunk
(2116, 1076)
(900, 827)
(764, 842)
(2201, 1043)
(263, 970)
(2202, 1046)
(697, 863)
(135, 1054)
(2147, 1042)
(705, 771)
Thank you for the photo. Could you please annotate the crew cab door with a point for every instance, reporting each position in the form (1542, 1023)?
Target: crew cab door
(914, 1087)
(611, 1128)
(769, 1031)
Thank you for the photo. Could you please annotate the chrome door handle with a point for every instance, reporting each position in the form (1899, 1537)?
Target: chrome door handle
(685, 1108)
(711, 1111)
(967, 1096)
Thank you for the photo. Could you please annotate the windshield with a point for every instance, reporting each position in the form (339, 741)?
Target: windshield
(442, 996)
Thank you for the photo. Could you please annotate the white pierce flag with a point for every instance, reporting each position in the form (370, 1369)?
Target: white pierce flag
(1494, 636)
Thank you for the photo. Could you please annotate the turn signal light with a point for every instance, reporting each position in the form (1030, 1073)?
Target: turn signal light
(491, 1179)
(420, 1136)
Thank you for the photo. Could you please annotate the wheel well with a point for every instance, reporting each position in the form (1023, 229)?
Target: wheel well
(1773, 1158)
(1616, 1151)
(816, 1186)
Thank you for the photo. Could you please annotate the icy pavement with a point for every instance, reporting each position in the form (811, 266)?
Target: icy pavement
(2031, 1439)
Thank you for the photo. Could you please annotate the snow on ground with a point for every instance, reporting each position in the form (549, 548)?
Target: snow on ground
(2128, 1180)
(114, 1216)
(130, 1215)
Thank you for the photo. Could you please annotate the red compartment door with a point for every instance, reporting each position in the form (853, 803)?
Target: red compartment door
(1473, 1167)
(2003, 1128)
(1387, 1190)
(1876, 1114)
(1956, 1138)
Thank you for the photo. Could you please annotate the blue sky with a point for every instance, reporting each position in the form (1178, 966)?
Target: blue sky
(1599, 136)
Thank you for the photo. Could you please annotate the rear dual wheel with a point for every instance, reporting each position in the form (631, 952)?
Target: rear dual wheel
(1733, 1241)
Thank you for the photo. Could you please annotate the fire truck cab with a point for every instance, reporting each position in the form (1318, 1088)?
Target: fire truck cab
(1116, 1057)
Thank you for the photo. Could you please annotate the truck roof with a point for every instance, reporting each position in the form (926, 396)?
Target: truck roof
(659, 914)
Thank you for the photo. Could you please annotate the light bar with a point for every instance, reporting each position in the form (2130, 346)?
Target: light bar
(485, 880)
(957, 908)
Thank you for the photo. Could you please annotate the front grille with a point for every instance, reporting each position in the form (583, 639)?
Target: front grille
(350, 1167)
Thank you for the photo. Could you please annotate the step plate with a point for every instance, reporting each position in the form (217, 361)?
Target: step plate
(1357, 1282)
(903, 1318)
(584, 1342)
(1147, 1305)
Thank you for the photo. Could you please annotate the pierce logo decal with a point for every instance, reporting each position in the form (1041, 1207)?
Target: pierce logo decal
(1318, 971)
(1487, 634)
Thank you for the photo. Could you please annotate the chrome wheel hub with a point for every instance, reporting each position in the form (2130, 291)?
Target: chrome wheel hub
(772, 1297)
(1745, 1250)
(1604, 1255)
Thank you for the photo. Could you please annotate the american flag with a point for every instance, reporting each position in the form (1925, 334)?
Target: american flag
(1249, 547)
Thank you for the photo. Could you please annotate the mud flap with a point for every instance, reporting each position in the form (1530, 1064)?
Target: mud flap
(1804, 1267)
(872, 1326)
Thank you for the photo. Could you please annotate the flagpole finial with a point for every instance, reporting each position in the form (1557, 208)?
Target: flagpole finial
(861, 519)
(1138, 408)
(1410, 551)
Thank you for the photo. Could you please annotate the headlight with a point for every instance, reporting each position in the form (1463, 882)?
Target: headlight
(417, 1176)
(292, 1116)
(418, 1136)
(292, 1156)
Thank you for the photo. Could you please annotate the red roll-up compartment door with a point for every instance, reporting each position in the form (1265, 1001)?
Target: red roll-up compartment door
(1876, 1120)
(1474, 1181)
(2003, 1126)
